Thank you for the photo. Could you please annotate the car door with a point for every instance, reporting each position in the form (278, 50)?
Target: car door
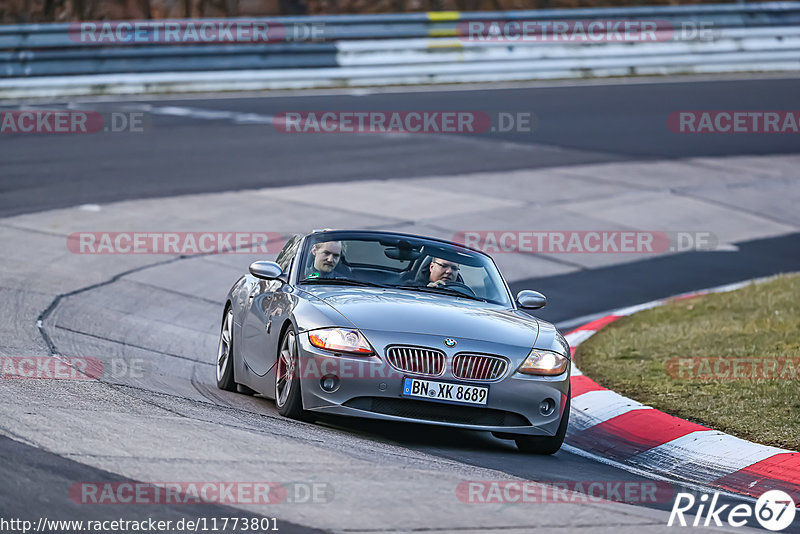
(259, 334)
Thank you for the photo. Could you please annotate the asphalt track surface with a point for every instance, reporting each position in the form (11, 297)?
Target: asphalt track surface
(585, 124)
(181, 155)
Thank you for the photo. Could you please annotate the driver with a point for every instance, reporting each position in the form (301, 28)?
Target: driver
(442, 272)
(326, 258)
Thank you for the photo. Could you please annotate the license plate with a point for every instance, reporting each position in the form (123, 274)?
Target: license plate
(445, 391)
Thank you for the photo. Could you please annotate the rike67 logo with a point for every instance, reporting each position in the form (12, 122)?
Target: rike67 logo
(774, 510)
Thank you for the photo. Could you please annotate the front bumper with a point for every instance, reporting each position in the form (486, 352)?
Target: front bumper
(369, 387)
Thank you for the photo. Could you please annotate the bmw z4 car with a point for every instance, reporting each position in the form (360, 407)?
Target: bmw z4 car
(396, 327)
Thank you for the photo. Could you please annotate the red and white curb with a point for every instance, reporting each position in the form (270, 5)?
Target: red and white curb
(620, 429)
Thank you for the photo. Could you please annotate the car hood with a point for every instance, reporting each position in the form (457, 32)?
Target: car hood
(397, 310)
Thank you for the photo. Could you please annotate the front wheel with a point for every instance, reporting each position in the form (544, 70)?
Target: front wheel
(288, 396)
(546, 444)
(225, 354)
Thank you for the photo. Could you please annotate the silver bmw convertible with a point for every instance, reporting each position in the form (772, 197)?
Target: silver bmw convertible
(396, 327)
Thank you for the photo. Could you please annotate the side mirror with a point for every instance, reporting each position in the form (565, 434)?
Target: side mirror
(265, 270)
(532, 300)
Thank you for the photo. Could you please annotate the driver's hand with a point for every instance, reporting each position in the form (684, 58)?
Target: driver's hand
(438, 283)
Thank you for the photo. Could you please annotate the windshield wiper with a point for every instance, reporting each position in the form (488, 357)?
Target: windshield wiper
(441, 290)
(341, 281)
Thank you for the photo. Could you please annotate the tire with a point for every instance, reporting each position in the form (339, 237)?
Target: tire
(546, 444)
(225, 354)
(288, 396)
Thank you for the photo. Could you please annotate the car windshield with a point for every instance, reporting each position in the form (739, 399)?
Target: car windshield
(406, 263)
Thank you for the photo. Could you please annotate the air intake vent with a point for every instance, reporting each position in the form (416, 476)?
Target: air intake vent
(417, 360)
(481, 367)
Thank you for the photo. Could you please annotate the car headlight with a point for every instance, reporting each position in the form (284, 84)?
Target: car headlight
(340, 340)
(543, 362)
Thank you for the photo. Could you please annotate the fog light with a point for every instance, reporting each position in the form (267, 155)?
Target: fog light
(547, 407)
(329, 383)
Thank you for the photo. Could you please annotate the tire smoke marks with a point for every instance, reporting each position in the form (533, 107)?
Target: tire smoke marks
(201, 492)
(61, 121)
(71, 368)
(734, 122)
(563, 491)
(181, 243)
(716, 368)
(584, 31)
(208, 31)
(585, 241)
(403, 122)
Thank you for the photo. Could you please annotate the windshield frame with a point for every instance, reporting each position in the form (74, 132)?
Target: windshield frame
(301, 257)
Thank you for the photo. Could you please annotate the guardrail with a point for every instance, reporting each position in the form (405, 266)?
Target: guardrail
(320, 51)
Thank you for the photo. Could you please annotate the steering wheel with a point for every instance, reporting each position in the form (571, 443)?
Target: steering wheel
(461, 287)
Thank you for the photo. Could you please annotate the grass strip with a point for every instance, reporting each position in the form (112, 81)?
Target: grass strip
(730, 361)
